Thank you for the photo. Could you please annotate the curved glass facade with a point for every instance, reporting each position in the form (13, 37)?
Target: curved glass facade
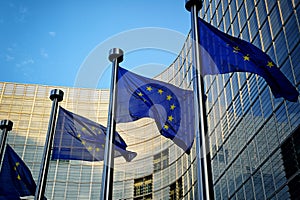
(248, 128)
(254, 142)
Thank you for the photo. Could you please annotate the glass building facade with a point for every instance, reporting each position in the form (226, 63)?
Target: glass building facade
(253, 138)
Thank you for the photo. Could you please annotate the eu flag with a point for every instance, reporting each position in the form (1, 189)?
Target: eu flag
(171, 107)
(222, 53)
(15, 177)
(78, 138)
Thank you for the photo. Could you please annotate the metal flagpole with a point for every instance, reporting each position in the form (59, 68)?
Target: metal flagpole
(5, 126)
(204, 175)
(56, 96)
(115, 56)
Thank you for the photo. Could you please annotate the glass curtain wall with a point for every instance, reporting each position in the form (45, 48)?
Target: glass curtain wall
(248, 127)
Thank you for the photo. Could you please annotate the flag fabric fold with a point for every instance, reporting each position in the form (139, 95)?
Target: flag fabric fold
(15, 177)
(222, 53)
(78, 138)
(171, 107)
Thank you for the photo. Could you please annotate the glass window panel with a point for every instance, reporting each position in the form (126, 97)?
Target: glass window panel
(293, 110)
(240, 194)
(268, 179)
(281, 48)
(262, 146)
(282, 122)
(245, 99)
(286, 9)
(225, 4)
(220, 14)
(236, 27)
(217, 191)
(262, 12)
(259, 191)
(270, 4)
(283, 193)
(253, 156)
(266, 35)
(245, 34)
(288, 71)
(278, 169)
(292, 33)
(295, 62)
(253, 87)
(271, 134)
(242, 16)
(249, 189)
(238, 172)
(256, 41)
(224, 188)
(230, 180)
(249, 7)
(275, 21)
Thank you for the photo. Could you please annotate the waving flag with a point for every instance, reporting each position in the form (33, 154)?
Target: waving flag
(171, 107)
(78, 138)
(15, 177)
(222, 53)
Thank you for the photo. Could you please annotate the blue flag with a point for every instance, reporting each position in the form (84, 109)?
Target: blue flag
(78, 138)
(222, 53)
(172, 108)
(15, 177)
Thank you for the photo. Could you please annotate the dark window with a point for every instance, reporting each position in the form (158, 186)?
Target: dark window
(176, 191)
(143, 188)
(290, 151)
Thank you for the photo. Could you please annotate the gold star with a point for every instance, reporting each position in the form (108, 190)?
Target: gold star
(83, 142)
(160, 91)
(236, 49)
(19, 177)
(83, 129)
(102, 145)
(78, 135)
(90, 148)
(15, 167)
(166, 127)
(173, 107)
(97, 149)
(270, 64)
(247, 57)
(149, 88)
(170, 118)
(93, 128)
(169, 97)
(140, 94)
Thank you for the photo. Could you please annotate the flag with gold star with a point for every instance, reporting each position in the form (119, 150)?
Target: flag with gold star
(15, 177)
(171, 107)
(78, 138)
(222, 53)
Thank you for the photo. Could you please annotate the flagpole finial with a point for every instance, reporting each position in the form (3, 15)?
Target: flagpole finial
(56, 94)
(116, 53)
(190, 3)
(6, 124)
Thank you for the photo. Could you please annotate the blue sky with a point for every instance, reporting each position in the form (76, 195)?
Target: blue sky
(66, 42)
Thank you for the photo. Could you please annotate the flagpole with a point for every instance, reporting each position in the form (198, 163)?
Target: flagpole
(5, 126)
(56, 96)
(115, 56)
(204, 175)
